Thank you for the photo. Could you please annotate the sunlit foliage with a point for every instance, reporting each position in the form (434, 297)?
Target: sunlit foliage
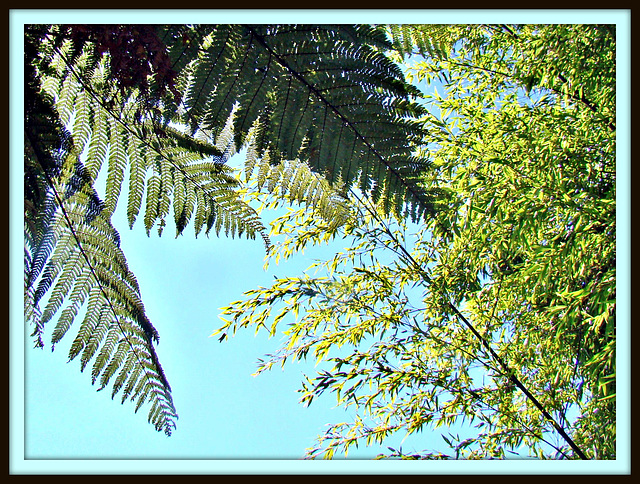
(497, 314)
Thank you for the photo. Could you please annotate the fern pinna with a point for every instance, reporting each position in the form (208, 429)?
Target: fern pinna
(321, 109)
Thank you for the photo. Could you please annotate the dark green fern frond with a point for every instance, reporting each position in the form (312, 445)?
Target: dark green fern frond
(323, 94)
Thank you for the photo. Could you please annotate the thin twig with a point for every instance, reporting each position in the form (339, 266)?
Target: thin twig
(507, 371)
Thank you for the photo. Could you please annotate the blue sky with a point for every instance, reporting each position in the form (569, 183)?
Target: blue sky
(229, 420)
(224, 411)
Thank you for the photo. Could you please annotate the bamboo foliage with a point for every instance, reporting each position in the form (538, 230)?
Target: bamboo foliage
(504, 327)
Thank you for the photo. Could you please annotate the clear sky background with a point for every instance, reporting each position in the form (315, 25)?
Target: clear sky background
(229, 421)
(224, 411)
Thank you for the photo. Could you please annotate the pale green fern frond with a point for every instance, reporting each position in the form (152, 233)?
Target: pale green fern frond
(83, 266)
(294, 181)
(117, 136)
(427, 40)
(73, 263)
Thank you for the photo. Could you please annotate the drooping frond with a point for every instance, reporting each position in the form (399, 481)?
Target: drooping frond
(86, 268)
(73, 261)
(294, 181)
(165, 166)
(326, 95)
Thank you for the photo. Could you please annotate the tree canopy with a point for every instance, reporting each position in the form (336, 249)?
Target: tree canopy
(474, 189)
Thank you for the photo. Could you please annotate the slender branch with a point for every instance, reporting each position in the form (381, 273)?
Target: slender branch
(485, 343)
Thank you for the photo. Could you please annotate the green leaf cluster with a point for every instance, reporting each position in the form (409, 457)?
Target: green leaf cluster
(496, 315)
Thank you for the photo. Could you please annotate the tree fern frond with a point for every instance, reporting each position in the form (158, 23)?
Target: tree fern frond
(72, 257)
(95, 270)
(115, 139)
(323, 94)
